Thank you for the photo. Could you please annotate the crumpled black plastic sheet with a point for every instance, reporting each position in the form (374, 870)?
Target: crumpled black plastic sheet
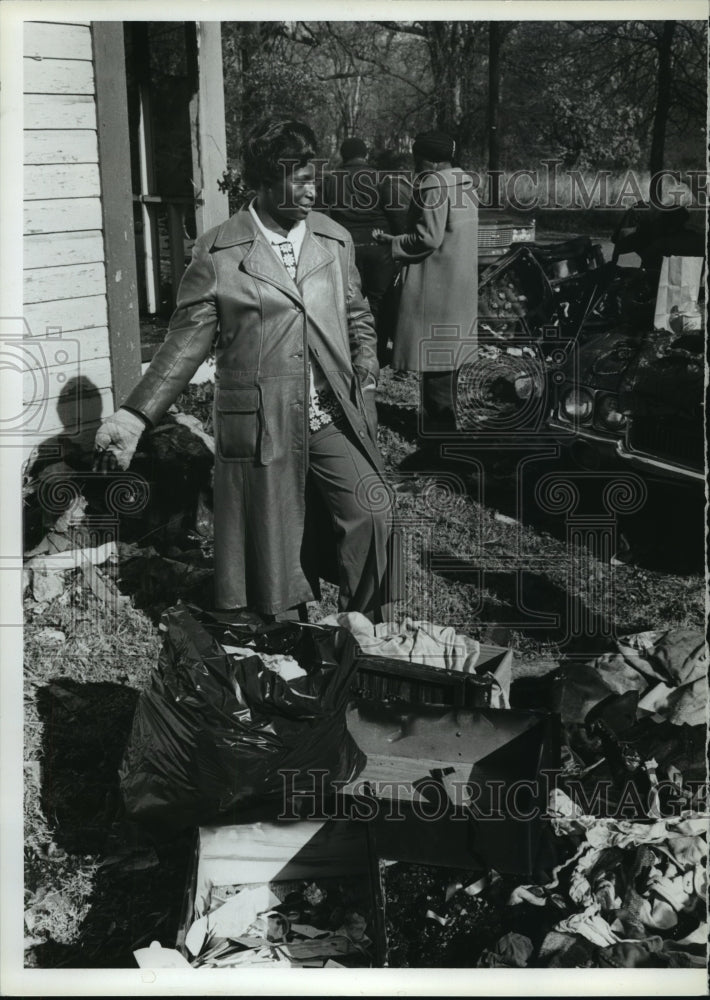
(213, 733)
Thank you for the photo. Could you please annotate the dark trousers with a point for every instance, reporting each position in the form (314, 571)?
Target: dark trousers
(359, 505)
(376, 269)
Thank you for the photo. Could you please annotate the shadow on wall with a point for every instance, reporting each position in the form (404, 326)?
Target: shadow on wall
(79, 409)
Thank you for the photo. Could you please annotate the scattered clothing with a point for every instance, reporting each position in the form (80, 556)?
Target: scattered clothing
(668, 670)
(511, 952)
(416, 642)
(628, 890)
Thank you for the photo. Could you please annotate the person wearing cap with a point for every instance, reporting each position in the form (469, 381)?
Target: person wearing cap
(297, 476)
(360, 201)
(439, 279)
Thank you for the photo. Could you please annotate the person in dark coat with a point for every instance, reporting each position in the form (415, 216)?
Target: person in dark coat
(439, 279)
(357, 198)
(275, 290)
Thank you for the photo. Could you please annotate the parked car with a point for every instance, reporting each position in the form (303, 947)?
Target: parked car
(631, 393)
(532, 304)
(498, 231)
(635, 396)
(615, 390)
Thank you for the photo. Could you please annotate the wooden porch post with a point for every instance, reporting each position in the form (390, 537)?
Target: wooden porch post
(209, 142)
(117, 207)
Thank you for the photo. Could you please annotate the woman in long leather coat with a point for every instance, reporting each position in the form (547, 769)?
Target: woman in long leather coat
(276, 291)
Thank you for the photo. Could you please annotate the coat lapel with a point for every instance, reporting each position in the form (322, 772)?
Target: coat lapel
(261, 263)
(313, 257)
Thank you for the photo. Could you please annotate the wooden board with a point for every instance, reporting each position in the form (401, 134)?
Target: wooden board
(116, 187)
(66, 315)
(59, 111)
(61, 146)
(58, 76)
(96, 372)
(85, 345)
(67, 281)
(62, 215)
(52, 39)
(61, 180)
(50, 250)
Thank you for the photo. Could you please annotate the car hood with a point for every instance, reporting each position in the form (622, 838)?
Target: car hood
(668, 372)
(601, 362)
(662, 366)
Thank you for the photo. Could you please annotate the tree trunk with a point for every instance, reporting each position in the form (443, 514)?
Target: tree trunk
(494, 41)
(663, 97)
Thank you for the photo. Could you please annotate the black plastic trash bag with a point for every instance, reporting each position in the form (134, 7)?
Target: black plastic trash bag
(213, 733)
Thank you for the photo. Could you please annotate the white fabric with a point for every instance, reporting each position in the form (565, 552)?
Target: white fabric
(295, 237)
(414, 641)
(677, 296)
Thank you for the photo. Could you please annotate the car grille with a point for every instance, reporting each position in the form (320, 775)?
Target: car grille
(671, 438)
(500, 236)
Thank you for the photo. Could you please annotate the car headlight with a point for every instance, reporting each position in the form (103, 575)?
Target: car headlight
(609, 415)
(578, 404)
(526, 235)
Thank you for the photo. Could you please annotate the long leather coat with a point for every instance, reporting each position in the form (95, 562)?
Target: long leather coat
(436, 323)
(237, 295)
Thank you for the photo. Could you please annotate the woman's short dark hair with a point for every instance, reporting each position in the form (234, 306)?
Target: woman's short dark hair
(272, 142)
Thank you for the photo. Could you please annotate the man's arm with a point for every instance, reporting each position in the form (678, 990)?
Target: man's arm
(428, 233)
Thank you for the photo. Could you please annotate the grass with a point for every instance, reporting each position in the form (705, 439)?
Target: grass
(96, 887)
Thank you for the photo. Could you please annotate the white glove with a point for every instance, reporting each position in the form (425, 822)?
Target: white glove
(117, 439)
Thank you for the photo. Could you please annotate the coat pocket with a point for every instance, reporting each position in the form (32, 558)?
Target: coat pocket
(237, 423)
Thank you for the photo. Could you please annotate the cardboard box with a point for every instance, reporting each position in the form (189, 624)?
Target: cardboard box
(273, 861)
(455, 787)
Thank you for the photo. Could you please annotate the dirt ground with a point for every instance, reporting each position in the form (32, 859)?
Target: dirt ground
(96, 886)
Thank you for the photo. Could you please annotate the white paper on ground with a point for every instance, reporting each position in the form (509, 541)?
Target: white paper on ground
(157, 957)
(655, 699)
(233, 917)
(315, 949)
(195, 937)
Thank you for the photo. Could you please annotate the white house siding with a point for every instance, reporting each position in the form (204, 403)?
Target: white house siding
(63, 248)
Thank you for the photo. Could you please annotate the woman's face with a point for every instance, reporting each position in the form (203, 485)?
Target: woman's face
(292, 197)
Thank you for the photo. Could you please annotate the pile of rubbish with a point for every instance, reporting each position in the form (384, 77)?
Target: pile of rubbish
(633, 894)
(235, 703)
(635, 726)
(220, 724)
(327, 922)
